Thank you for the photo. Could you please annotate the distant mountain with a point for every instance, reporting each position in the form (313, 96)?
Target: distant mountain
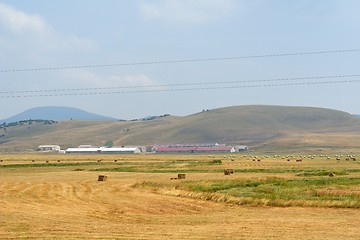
(56, 114)
(357, 116)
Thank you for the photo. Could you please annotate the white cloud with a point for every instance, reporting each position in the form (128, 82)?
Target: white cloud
(20, 22)
(187, 11)
(33, 34)
(83, 42)
(87, 79)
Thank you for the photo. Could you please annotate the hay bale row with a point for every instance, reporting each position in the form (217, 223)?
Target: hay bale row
(180, 176)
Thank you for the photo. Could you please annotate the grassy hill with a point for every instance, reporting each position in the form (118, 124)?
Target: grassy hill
(259, 127)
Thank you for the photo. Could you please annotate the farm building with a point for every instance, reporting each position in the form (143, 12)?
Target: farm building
(103, 150)
(49, 148)
(83, 150)
(194, 148)
(241, 148)
(121, 150)
(141, 148)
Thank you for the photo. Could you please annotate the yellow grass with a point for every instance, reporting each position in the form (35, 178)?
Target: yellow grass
(54, 202)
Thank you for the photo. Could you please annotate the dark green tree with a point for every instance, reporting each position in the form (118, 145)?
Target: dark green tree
(109, 143)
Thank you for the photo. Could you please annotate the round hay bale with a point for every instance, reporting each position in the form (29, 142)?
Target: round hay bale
(181, 176)
(332, 174)
(102, 178)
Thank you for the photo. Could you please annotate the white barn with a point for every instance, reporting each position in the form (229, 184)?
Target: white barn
(242, 148)
(83, 150)
(104, 150)
(121, 150)
(49, 148)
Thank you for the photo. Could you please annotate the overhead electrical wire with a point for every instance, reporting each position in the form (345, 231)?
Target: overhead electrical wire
(178, 61)
(183, 89)
(182, 84)
(190, 86)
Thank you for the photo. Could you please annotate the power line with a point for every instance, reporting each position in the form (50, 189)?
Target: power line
(182, 84)
(179, 61)
(182, 89)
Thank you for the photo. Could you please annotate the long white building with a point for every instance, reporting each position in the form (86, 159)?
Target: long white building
(104, 150)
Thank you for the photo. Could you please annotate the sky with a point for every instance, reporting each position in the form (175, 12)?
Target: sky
(91, 54)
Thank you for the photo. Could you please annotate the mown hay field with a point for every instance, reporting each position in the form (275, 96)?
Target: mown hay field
(48, 196)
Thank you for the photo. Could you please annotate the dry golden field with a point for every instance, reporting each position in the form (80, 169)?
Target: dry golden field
(63, 199)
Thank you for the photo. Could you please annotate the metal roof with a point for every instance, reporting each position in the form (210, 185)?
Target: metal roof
(101, 150)
(120, 149)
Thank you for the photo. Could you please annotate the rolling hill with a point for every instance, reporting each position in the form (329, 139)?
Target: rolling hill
(265, 128)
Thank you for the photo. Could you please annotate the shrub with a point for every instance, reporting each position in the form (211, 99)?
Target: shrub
(217, 161)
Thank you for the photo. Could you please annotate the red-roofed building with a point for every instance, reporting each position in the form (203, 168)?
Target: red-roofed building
(193, 148)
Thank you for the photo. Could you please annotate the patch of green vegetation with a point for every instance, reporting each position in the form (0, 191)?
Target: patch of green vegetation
(266, 170)
(79, 169)
(299, 189)
(171, 168)
(116, 169)
(322, 173)
(142, 169)
(320, 192)
(216, 161)
(41, 165)
(218, 185)
(166, 167)
(195, 162)
(300, 172)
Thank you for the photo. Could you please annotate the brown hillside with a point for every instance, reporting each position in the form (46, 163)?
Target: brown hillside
(256, 126)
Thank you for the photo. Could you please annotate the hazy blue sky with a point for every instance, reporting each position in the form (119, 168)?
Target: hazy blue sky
(40, 33)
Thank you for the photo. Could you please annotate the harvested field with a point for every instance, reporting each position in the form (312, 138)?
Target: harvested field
(65, 200)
